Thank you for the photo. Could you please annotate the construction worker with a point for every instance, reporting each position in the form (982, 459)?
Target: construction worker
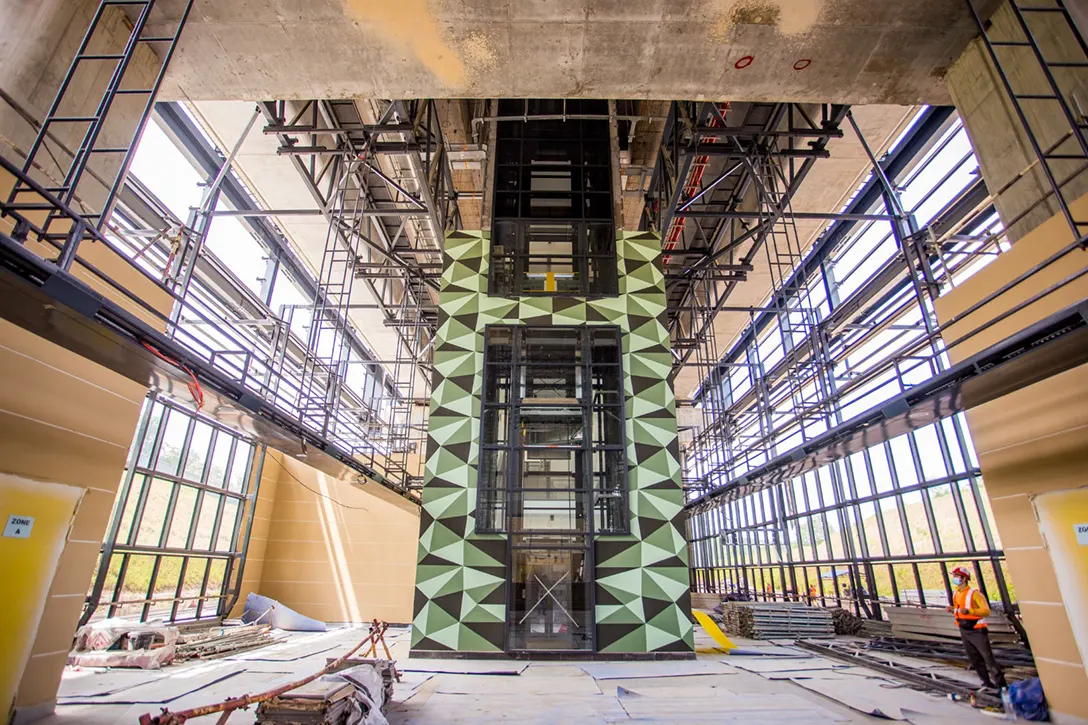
(971, 610)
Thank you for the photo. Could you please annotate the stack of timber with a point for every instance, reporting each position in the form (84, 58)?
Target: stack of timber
(220, 640)
(876, 628)
(321, 702)
(775, 620)
(937, 625)
(846, 622)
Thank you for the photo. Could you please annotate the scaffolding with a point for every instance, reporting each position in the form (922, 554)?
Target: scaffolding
(300, 378)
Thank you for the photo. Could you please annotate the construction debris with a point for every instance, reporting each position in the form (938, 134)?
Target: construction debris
(323, 702)
(356, 696)
(846, 622)
(1007, 657)
(776, 620)
(374, 717)
(120, 643)
(923, 679)
(386, 668)
(262, 610)
(220, 640)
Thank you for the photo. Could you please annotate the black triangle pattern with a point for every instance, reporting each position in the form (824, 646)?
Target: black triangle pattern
(465, 574)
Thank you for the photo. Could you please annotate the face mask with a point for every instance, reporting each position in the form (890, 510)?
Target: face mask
(958, 581)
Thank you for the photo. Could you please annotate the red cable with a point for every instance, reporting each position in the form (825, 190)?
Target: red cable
(194, 385)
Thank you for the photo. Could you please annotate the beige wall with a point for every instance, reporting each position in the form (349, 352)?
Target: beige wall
(68, 421)
(1031, 442)
(64, 420)
(346, 555)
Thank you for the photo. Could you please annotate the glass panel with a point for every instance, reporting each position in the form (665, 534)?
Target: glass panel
(495, 428)
(191, 589)
(137, 578)
(177, 423)
(220, 459)
(551, 510)
(198, 452)
(217, 569)
(551, 383)
(556, 345)
(206, 523)
(157, 410)
(138, 481)
(550, 469)
(550, 426)
(166, 586)
(239, 467)
(607, 426)
(550, 600)
(153, 520)
(183, 518)
(227, 524)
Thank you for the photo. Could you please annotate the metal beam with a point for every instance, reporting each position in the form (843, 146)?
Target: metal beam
(1049, 347)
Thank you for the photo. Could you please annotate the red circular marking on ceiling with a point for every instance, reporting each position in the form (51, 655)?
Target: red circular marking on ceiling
(802, 64)
(743, 62)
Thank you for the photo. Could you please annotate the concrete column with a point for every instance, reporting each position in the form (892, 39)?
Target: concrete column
(1032, 445)
(37, 43)
(1000, 142)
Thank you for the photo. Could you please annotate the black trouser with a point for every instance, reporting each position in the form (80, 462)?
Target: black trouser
(980, 657)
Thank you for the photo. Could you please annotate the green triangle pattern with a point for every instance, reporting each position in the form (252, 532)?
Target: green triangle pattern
(641, 585)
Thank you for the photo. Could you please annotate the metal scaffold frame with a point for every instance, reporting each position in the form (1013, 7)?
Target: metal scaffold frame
(789, 488)
(190, 328)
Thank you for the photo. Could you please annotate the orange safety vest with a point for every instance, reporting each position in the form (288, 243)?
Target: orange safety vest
(964, 599)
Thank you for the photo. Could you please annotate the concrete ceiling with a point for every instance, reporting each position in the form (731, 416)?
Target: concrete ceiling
(846, 51)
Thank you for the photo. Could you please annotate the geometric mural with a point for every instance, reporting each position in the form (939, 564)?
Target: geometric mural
(641, 578)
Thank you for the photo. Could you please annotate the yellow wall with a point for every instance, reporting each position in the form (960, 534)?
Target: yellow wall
(1030, 443)
(27, 565)
(338, 563)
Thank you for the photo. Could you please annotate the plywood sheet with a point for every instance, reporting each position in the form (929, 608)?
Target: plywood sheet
(478, 709)
(762, 665)
(464, 667)
(879, 699)
(99, 683)
(726, 708)
(632, 670)
(518, 686)
(164, 689)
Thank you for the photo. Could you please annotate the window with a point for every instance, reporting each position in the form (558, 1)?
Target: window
(553, 231)
(552, 432)
(177, 537)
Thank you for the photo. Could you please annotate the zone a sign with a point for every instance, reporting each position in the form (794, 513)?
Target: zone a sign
(18, 527)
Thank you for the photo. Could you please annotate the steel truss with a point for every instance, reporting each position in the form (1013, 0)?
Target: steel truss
(722, 188)
(769, 489)
(386, 189)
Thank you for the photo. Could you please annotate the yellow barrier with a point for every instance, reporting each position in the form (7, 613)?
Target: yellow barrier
(711, 627)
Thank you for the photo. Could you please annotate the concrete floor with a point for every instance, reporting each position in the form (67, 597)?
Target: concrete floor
(543, 692)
